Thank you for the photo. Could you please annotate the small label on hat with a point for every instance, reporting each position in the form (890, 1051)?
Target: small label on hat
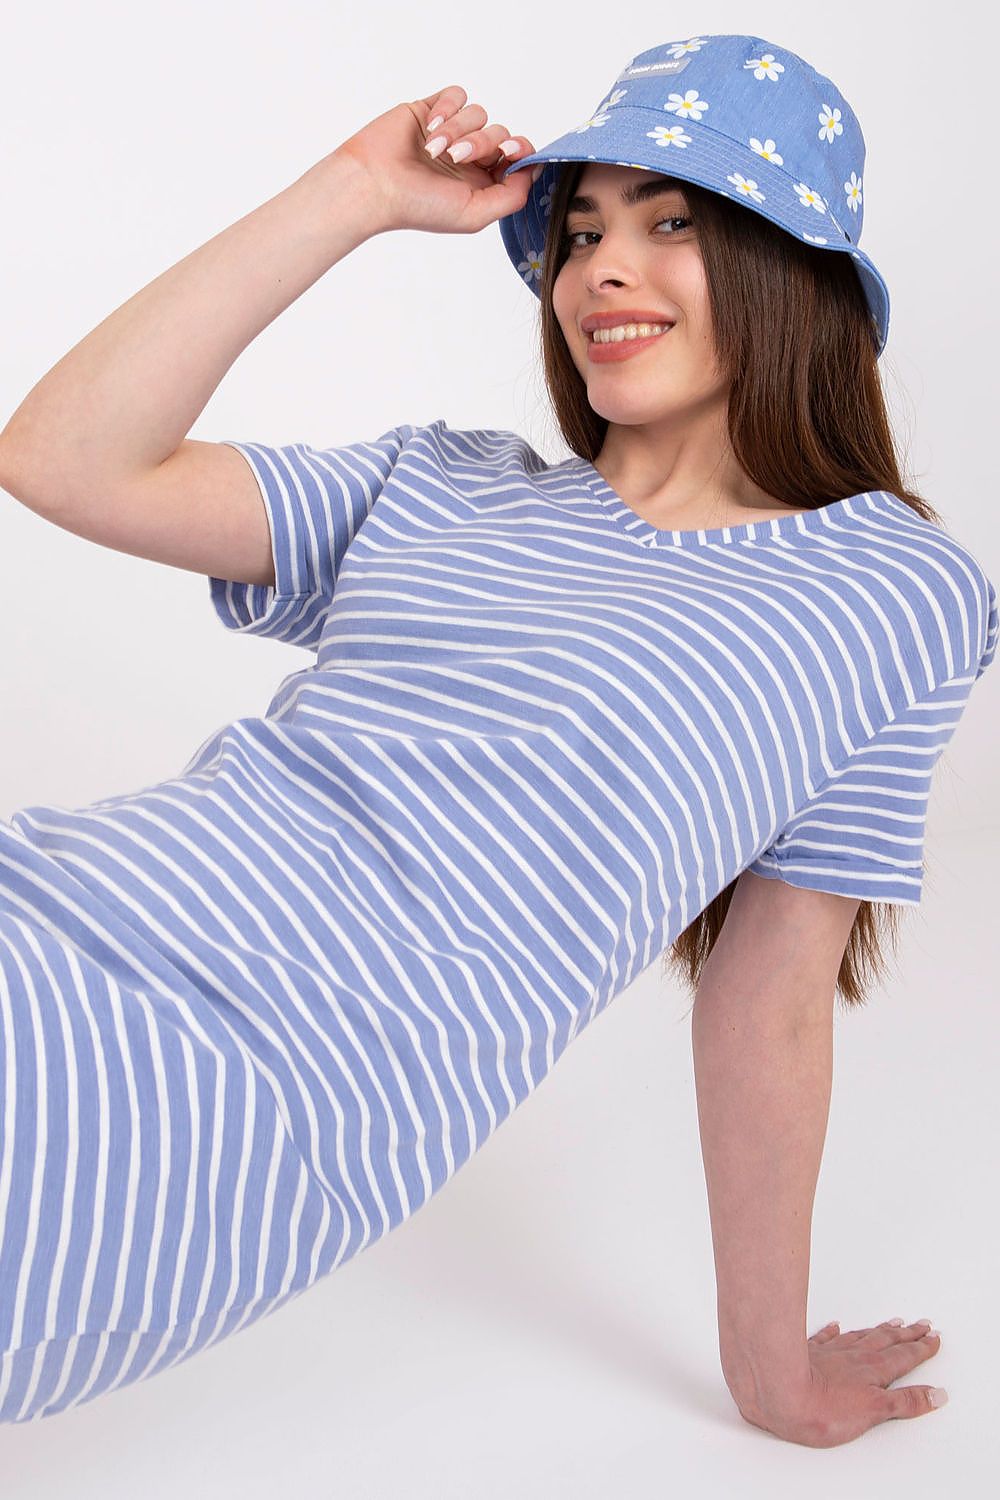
(646, 70)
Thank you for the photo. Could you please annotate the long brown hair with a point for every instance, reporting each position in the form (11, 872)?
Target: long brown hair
(807, 422)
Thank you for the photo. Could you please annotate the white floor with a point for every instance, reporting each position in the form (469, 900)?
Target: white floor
(545, 1327)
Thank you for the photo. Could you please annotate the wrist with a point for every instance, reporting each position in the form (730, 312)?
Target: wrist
(348, 206)
(767, 1383)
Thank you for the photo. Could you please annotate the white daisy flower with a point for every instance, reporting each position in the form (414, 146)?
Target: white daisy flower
(767, 151)
(678, 49)
(597, 119)
(669, 135)
(746, 185)
(688, 105)
(765, 67)
(814, 239)
(600, 115)
(852, 187)
(808, 197)
(829, 122)
(532, 266)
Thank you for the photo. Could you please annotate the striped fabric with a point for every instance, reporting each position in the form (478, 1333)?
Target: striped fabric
(254, 1016)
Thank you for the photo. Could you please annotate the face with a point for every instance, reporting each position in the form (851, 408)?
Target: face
(640, 256)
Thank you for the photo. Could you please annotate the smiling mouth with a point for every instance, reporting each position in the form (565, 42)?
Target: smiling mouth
(627, 338)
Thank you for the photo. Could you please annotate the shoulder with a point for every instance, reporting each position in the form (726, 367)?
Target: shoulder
(489, 448)
(931, 576)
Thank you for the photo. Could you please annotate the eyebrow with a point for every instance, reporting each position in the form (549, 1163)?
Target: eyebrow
(630, 194)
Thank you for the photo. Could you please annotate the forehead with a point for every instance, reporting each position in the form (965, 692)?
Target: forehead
(605, 179)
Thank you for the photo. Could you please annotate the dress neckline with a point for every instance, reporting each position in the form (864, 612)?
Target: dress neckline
(793, 524)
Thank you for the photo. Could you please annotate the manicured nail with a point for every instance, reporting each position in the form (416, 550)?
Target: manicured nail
(436, 146)
(510, 148)
(895, 1322)
(939, 1396)
(433, 124)
(460, 152)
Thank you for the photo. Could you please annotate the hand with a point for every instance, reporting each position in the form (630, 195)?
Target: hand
(848, 1391)
(412, 190)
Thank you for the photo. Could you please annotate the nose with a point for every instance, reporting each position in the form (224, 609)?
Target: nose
(612, 262)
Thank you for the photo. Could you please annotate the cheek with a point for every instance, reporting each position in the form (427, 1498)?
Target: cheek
(564, 304)
(562, 293)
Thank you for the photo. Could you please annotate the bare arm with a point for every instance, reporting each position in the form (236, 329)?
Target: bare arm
(763, 1050)
(762, 1034)
(763, 1053)
(98, 445)
(123, 399)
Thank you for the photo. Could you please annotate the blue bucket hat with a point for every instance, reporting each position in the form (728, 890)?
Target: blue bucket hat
(736, 115)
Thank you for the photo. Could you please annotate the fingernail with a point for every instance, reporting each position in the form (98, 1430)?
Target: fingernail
(510, 148)
(939, 1396)
(433, 124)
(895, 1322)
(461, 151)
(436, 146)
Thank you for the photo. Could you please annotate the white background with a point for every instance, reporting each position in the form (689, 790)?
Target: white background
(546, 1325)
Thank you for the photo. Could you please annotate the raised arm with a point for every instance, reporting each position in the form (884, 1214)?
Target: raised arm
(98, 445)
(762, 1034)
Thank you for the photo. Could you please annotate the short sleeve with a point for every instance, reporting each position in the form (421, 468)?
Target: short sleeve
(992, 626)
(862, 834)
(316, 500)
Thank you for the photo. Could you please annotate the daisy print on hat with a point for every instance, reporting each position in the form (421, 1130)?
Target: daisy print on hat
(767, 151)
(669, 135)
(829, 123)
(688, 105)
(600, 115)
(678, 49)
(809, 198)
(765, 67)
(748, 188)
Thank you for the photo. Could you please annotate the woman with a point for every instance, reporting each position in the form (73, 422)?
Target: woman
(562, 718)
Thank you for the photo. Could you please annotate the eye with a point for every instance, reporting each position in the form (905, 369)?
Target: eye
(572, 235)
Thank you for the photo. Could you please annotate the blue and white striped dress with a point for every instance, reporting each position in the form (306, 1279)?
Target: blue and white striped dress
(253, 1017)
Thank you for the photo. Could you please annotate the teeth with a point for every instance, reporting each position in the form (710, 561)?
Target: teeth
(627, 331)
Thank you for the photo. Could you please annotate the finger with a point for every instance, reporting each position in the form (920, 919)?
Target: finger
(445, 102)
(515, 146)
(826, 1333)
(485, 145)
(890, 1327)
(907, 1333)
(460, 122)
(498, 196)
(899, 1359)
(912, 1401)
(854, 1334)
